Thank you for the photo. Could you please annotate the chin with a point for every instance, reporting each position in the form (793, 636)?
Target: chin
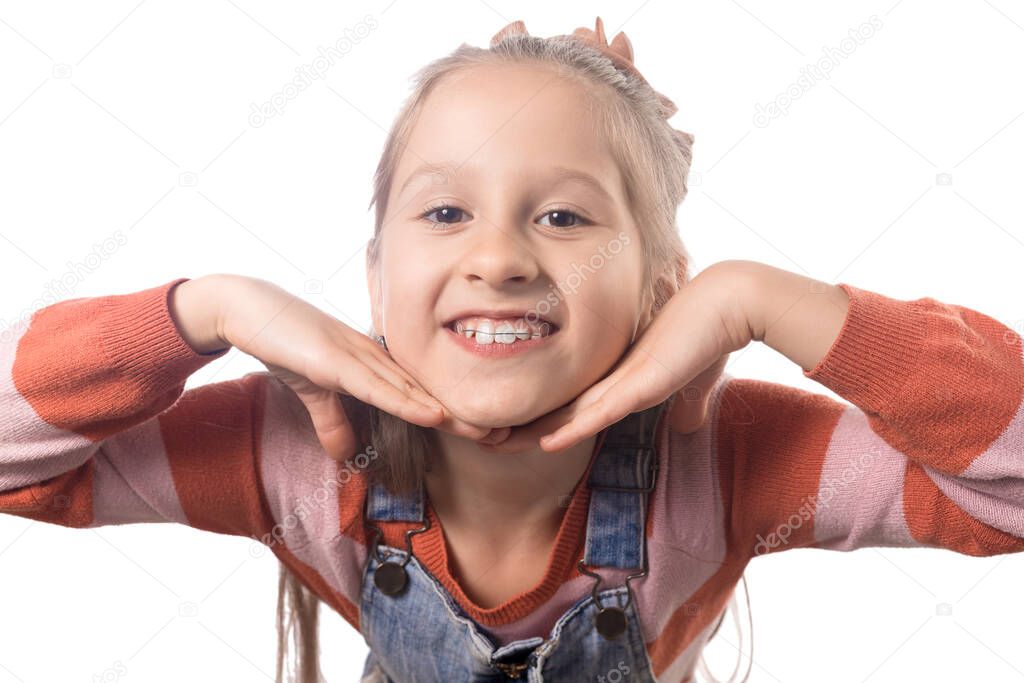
(496, 412)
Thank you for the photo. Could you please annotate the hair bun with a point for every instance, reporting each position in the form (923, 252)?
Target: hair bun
(514, 28)
(620, 51)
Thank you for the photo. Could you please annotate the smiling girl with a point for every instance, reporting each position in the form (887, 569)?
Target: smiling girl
(533, 467)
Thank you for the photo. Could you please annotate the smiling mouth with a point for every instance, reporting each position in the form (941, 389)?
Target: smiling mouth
(505, 332)
(501, 347)
(500, 337)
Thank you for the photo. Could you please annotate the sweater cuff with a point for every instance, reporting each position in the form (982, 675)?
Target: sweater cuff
(143, 343)
(876, 351)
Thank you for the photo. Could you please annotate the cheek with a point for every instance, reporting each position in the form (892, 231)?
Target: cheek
(408, 308)
(608, 303)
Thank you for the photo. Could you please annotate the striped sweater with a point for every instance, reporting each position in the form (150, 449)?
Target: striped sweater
(96, 428)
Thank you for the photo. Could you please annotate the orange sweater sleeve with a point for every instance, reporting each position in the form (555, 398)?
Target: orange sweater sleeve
(95, 428)
(926, 450)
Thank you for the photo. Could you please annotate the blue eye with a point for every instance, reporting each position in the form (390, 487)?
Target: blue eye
(445, 210)
(562, 215)
(448, 214)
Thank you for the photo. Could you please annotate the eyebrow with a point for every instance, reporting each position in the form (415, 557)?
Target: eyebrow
(444, 168)
(559, 174)
(564, 174)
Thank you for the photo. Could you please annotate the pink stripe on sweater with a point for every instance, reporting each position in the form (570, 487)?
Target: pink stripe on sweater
(132, 481)
(302, 485)
(860, 497)
(1003, 458)
(687, 545)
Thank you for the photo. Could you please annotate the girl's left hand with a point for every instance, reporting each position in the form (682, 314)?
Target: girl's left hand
(684, 349)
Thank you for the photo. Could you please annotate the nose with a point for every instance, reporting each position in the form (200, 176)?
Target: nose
(498, 255)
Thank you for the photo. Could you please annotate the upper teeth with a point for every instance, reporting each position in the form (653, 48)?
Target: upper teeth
(488, 330)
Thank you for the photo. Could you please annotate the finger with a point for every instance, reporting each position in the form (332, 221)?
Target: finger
(458, 427)
(333, 428)
(518, 442)
(370, 387)
(443, 420)
(386, 367)
(371, 366)
(389, 368)
(637, 386)
(624, 370)
(495, 436)
(592, 420)
(525, 437)
(688, 413)
(607, 409)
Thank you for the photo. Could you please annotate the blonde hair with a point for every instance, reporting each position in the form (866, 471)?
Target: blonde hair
(654, 160)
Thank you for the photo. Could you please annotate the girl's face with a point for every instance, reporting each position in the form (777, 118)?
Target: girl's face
(507, 199)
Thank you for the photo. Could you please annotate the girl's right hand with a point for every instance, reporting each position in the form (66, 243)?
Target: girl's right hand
(316, 355)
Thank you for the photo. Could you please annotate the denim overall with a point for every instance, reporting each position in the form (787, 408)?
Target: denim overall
(417, 632)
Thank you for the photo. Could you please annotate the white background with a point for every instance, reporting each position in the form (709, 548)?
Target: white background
(130, 121)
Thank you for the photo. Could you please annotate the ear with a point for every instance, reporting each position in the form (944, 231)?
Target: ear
(374, 291)
(665, 284)
(646, 302)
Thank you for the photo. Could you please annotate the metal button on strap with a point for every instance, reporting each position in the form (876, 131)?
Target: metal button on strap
(610, 622)
(390, 578)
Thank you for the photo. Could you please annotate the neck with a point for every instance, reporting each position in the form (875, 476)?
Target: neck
(474, 489)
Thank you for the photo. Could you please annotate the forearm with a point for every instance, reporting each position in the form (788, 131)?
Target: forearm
(195, 307)
(798, 316)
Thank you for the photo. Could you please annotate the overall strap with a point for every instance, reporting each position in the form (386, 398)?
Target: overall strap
(382, 505)
(623, 472)
(391, 577)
